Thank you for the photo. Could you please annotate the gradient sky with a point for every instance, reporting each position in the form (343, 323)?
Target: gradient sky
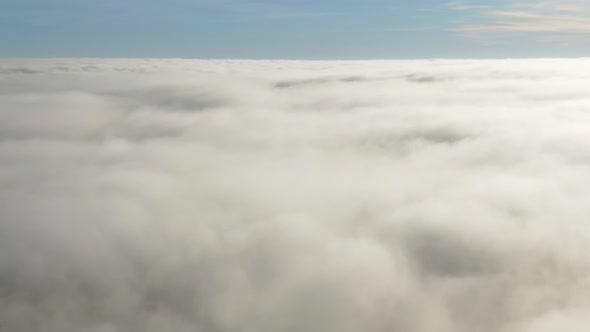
(294, 29)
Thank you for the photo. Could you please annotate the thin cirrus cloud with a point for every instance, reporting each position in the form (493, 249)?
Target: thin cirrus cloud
(554, 21)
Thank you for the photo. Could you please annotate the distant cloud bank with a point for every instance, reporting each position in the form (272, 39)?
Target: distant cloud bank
(286, 196)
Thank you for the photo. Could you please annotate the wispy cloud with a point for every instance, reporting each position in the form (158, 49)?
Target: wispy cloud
(461, 6)
(555, 21)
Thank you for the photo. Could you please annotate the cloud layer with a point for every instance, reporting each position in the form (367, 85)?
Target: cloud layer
(284, 196)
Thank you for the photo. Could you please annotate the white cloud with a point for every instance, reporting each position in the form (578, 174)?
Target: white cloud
(189, 195)
(559, 21)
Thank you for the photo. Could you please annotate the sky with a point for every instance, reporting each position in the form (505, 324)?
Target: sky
(294, 29)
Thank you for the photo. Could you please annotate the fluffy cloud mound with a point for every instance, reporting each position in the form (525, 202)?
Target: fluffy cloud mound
(284, 196)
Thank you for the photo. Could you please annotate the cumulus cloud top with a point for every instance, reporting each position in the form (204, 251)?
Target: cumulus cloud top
(269, 196)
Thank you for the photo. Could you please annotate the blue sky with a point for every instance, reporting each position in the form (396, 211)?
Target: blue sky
(294, 29)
